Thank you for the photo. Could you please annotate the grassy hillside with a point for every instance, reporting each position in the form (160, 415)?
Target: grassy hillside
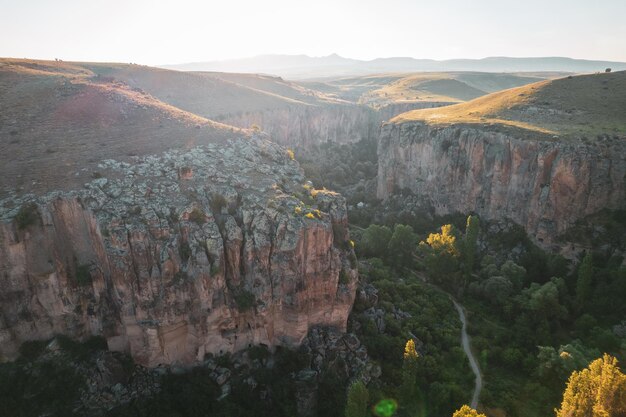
(58, 119)
(572, 106)
(425, 87)
(210, 94)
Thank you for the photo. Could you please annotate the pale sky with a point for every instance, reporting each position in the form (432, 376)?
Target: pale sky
(168, 32)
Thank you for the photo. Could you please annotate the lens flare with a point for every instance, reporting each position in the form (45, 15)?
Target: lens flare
(385, 408)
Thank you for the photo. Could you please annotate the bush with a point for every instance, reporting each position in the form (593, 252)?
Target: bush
(185, 251)
(197, 216)
(83, 275)
(245, 300)
(28, 215)
(218, 202)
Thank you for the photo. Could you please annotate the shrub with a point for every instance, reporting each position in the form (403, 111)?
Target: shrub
(245, 300)
(83, 275)
(185, 251)
(28, 215)
(218, 202)
(343, 277)
(31, 349)
(197, 216)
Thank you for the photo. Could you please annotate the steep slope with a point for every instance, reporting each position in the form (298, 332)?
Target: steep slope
(544, 155)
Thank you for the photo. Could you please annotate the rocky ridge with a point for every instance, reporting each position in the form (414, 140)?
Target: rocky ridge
(206, 250)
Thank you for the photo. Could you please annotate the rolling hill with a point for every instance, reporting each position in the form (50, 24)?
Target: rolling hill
(58, 119)
(578, 106)
(440, 88)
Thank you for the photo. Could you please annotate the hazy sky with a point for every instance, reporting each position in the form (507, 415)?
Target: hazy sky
(166, 32)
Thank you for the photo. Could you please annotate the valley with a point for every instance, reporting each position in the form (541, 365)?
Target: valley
(236, 244)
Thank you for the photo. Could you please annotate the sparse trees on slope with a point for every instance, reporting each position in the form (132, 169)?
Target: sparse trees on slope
(375, 240)
(467, 411)
(472, 228)
(358, 398)
(585, 277)
(402, 245)
(597, 391)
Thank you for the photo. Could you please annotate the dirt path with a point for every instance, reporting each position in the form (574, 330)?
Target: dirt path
(468, 351)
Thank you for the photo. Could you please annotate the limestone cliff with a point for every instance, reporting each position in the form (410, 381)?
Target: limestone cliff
(209, 249)
(306, 126)
(542, 183)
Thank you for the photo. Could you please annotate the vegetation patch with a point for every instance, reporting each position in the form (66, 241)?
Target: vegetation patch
(197, 216)
(28, 215)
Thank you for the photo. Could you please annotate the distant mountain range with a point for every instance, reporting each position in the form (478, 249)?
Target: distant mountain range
(303, 66)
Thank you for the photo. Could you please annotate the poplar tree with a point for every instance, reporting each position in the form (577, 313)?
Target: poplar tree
(358, 397)
(598, 390)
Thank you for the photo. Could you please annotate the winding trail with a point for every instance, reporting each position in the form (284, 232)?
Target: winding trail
(478, 385)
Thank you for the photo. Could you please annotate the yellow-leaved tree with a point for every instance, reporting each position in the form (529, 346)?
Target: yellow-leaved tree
(441, 256)
(467, 411)
(409, 392)
(597, 391)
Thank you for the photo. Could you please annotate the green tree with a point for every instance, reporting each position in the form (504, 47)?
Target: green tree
(467, 411)
(409, 390)
(472, 227)
(585, 277)
(375, 240)
(597, 391)
(402, 245)
(358, 398)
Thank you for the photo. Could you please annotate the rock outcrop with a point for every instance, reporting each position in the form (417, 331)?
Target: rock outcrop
(176, 255)
(544, 184)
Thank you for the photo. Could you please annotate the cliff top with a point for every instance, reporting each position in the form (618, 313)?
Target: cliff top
(574, 106)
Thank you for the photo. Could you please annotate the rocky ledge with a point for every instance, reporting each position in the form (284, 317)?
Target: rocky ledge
(206, 250)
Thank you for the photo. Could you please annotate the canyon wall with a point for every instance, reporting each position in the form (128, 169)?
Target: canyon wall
(305, 126)
(544, 184)
(209, 249)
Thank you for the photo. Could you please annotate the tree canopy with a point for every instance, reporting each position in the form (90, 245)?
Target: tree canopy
(597, 391)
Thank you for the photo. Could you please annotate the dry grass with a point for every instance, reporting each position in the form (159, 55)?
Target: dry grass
(425, 87)
(570, 106)
(57, 120)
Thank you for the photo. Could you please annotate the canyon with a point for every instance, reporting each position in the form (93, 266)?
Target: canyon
(147, 206)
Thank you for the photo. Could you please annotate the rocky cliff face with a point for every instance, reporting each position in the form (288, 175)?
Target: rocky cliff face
(304, 126)
(176, 255)
(540, 183)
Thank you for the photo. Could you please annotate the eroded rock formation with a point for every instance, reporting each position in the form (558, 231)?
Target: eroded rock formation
(176, 255)
(544, 184)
